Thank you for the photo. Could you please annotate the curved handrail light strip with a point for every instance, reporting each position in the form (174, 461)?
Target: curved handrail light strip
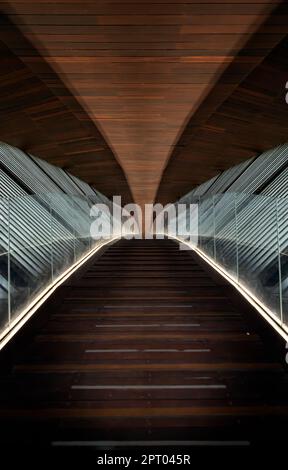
(38, 301)
(261, 308)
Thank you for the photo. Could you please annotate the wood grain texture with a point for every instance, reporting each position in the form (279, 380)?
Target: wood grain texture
(230, 128)
(140, 70)
(105, 367)
(53, 125)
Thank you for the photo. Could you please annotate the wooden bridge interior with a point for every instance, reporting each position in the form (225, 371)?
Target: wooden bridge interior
(144, 99)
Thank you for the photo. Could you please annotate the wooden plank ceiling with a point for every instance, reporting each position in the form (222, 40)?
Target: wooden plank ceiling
(57, 129)
(140, 69)
(253, 118)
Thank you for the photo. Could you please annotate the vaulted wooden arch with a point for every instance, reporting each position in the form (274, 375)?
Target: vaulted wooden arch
(229, 129)
(144, 78)
(45, 119)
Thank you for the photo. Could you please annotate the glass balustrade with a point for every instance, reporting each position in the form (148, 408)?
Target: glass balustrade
(41, 237)
(246, 235)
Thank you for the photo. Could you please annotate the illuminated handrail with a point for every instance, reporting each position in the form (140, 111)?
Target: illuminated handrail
(245, 236)
(42, 238)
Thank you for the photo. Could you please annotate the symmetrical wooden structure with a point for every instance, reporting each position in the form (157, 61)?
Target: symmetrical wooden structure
(167, 83)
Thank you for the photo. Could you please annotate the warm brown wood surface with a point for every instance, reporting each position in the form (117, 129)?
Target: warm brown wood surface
(140, 70)
(48, 121)
(171, 358)
(231, 127)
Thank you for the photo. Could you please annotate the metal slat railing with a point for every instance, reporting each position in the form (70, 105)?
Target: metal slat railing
(244, 230)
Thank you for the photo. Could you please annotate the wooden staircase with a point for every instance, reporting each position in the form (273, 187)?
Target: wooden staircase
(144, 348)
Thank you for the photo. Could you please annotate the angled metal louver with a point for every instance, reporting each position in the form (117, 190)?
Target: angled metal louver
(84, 187)
(199, 190)
(261, 170)
(249, 176)
(25, 171)
(279, 186)
(243, 225)
(44, 226)
(225, 179)
(59, 176)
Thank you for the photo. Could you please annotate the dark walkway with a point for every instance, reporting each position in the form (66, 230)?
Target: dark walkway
(145, 346)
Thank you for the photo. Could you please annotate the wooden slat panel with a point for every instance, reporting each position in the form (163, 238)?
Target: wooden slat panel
(230, 130)
(91, 45)
(34, 119)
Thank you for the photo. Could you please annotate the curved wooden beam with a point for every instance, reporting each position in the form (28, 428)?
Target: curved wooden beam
(238, 119)
(41, 116)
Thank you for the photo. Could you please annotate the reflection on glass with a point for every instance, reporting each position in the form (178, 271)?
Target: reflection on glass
(258, 248)
(282, 217)
(225, 232)
(41, 237)
(206, 227)
(4, 225)
(247, 235)
(4, 290)
(30, 273)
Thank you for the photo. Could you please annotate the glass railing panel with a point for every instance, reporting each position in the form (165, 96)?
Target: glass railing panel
(4, 225)
(206, 226)
(82, 225)
(282, 215)
(63, 253)
(30, 274)
(4, 291)
(63, 214)
(29, 223)
(199, 222)
(41, 237)
(4, 258)
(30, 250)
(226, 233)
(284, 285)
(257, 237)
(246, 235)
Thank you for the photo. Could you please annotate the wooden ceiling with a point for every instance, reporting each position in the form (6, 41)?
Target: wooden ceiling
(141, 72)
(50, 123)
(227, 129)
